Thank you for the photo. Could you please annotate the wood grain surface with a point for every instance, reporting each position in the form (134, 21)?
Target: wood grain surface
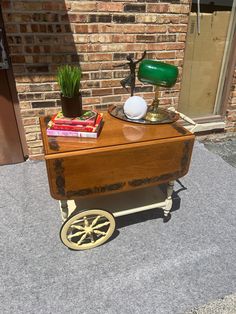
(114, 132)
(117, 161)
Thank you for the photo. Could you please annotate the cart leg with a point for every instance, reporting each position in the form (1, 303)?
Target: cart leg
(170, 188)
(67, 208)
(64, 209)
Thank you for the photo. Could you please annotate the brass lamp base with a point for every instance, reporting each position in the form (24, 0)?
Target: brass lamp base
(155, 114)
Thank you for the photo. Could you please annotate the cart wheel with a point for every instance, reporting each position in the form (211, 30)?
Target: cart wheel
(87, 229)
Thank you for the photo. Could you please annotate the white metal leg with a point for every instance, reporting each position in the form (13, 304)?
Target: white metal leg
(169, 201)
(67, 208)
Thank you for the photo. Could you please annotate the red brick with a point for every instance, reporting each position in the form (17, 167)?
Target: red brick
(149, 29)
(30, 121)
(16, 50)
(166, 54)
(81, 28)
(132, 29)
(110, 7)
(88, 66)
(119, 38)
(110, 83)
(6, 4)
(26, 6)
(101, 91)
(181, 37)
(101, 38)
(90, 84)
(79, 18)
(18, 59)
(91, 101)
(43, 35)
(157, 8)
(23, 88)
(177, 28)
(11, 28)
(231, 115)
(18, 69)
(147, 18)
(83, 6)
(52, 6)
(111, 99)
(178, 8)
(99, 57)
(120, 91)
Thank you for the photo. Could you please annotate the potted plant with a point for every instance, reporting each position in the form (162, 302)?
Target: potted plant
(68, 78)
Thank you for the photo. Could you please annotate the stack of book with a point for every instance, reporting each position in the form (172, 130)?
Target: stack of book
(87, 125)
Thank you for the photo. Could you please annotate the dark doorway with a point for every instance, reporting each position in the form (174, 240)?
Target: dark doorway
(12, 141)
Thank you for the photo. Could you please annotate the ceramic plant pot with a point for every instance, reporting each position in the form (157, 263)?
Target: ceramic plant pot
(71, 106)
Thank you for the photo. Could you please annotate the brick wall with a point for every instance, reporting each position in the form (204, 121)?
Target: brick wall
(45, 34)
(97, 35)
(231, 111)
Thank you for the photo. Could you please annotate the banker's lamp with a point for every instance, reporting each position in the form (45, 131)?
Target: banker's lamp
(158, 74)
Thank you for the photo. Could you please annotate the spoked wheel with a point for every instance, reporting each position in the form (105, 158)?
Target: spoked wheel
(87, 229)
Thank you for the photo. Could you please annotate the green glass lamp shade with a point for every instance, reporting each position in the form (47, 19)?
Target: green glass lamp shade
(157, 73)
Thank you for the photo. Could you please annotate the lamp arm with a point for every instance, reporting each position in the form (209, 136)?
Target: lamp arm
(196, 126)
(182, 116)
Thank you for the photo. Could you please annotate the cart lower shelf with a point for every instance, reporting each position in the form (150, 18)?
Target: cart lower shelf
(91, 222)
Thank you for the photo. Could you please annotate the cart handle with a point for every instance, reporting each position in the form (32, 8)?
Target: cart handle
(185, 118)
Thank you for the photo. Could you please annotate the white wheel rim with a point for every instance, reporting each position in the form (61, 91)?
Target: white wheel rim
(88, 229)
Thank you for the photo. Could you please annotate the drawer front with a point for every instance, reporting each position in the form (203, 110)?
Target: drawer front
(100, 172)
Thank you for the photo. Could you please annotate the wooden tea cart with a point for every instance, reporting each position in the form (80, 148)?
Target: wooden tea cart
(124, 158)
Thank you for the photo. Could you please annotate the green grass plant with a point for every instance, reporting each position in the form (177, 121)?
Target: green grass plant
(68, 78)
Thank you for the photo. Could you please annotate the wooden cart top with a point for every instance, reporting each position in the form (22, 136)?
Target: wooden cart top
(114, 132)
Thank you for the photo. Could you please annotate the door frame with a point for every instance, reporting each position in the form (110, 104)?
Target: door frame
(230, 56)
(217, 118)
(14, 97)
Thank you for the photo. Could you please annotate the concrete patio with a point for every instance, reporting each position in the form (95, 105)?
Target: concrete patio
(148, 267)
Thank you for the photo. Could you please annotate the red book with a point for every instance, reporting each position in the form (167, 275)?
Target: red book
(75, 127)
(68, 133)
(87, 118)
